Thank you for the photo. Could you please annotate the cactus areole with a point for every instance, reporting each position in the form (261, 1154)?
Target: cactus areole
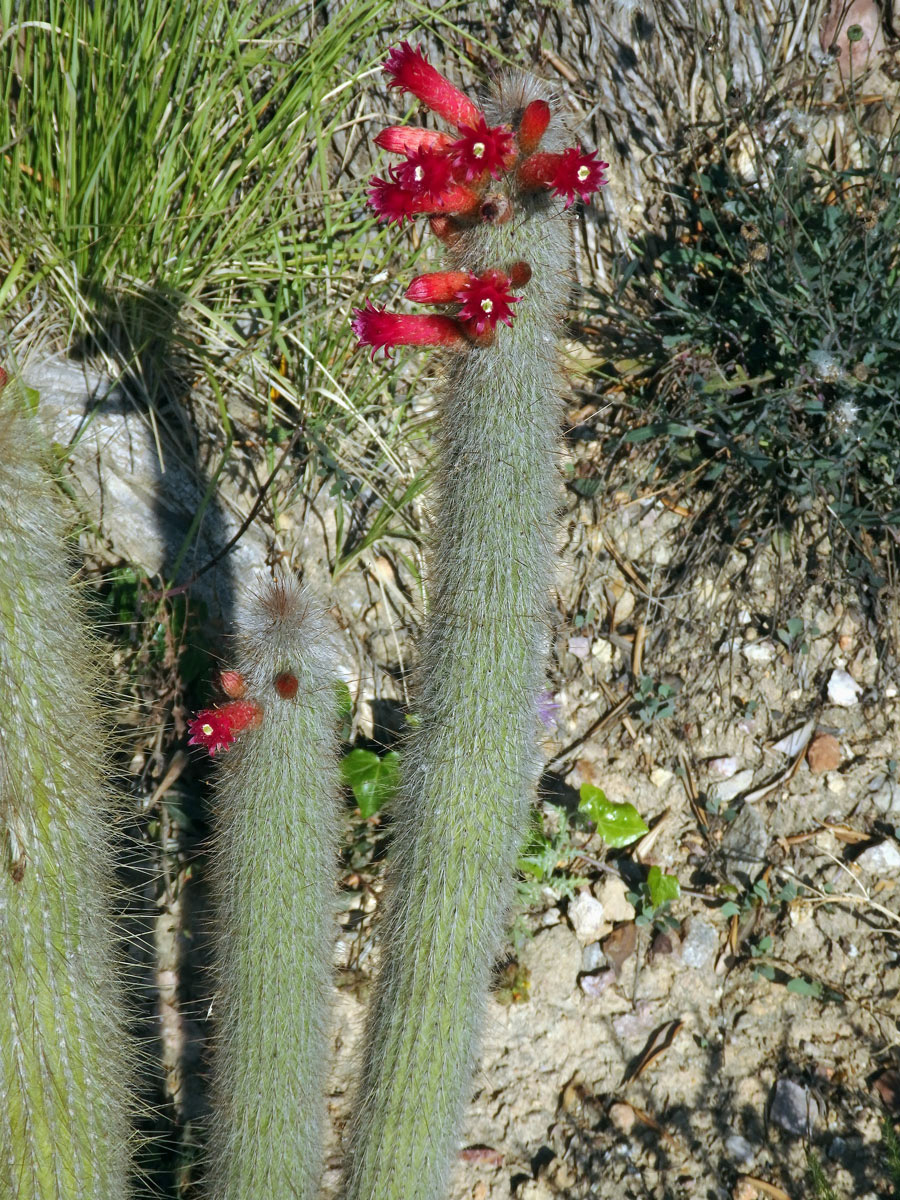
(495, 188)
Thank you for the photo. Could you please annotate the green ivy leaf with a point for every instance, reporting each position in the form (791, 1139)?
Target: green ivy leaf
(618, 824)
(662, 888)
(372, 780)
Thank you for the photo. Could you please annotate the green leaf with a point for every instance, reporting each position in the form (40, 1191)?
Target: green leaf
(344, 700)
(670, 428)
(805, 987)
(372, 780)
(729, 909)
(662, 888)
(618, 824)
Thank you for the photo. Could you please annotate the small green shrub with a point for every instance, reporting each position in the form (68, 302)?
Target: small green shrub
(767, 331)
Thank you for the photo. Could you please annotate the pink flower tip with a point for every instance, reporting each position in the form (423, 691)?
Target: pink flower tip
(410, 70)
(482, 148)
(215, 728)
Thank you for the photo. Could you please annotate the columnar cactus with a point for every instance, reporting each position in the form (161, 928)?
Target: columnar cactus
(492, 190)
(274, 871)
(64, 1104)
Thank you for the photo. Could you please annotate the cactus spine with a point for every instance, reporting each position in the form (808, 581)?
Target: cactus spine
(64, 1128)
(472, 765)
(275, 866)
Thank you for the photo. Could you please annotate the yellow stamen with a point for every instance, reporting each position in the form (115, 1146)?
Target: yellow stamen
(583, 173)
(207, 729)
(487, 306)
(478, 149)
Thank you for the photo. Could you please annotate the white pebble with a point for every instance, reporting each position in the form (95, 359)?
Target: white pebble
(588, 919)
(843, 689)
(883, 859)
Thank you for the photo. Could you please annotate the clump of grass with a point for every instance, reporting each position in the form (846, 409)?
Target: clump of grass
(766, 329)
(182, 198)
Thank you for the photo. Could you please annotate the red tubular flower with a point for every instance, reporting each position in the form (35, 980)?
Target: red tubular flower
(485, 301)
(438, 287)
(533, 125)
(410, 70)
(481, 148)
(215, 728)
(567, 174)
(382, 330)
(393, 202)
(402, 139)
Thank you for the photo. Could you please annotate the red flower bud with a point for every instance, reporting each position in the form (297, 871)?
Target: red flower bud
(286, 685)
(233, 684)
(438, 287)
(404, 139)
(533, 125)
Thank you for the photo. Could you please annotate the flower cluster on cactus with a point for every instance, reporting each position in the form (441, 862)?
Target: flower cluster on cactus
(448, 179)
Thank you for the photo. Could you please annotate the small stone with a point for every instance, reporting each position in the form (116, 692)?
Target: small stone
(665, 945)
(622, 1117)
(739, 1150)
(886, 797)
(588, 918)
(700, 944)
(533, 1189)
(722, 792)
(744, 846)
(722, 768)
(550, 916)
(794, 1108)
(620, 945)
(759, 652)
(837, 1149)
(883, 859)
(611, 894)
(595, 985)
(661, 777)
(843, 690)
(593, 958)
(887, 1085)
(823, 753)
(580, 646)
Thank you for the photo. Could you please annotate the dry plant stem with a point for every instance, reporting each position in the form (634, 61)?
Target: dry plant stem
(274, 870)
(472, 766)
(64, 1101)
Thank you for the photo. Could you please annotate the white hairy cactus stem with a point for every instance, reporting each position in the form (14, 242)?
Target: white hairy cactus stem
(471, 766)
(277, 817)
(64, 1058)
